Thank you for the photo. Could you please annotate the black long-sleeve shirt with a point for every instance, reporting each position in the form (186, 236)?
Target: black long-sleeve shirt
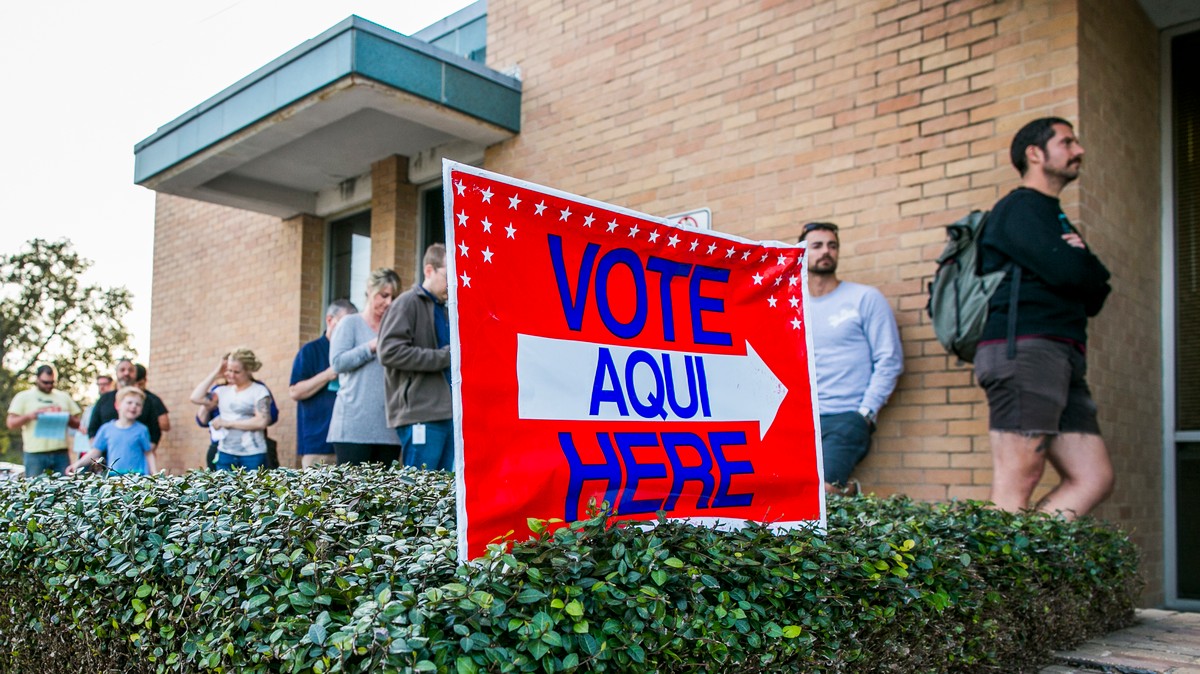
(1061, 285)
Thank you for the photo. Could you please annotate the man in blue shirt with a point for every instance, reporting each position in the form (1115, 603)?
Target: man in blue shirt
(857, 354)
(314, 388)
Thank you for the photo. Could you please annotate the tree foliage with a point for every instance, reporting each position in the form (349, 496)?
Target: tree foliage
(48, 314)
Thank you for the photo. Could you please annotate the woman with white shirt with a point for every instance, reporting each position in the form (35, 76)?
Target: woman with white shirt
(245, 411)
(358, 430)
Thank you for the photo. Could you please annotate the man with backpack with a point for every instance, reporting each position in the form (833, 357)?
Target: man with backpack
(857, 355)
(1031, 361)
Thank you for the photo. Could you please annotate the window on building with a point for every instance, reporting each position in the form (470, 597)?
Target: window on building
(349, 261)
(468, 39)
(1186, 136)
(433, 219)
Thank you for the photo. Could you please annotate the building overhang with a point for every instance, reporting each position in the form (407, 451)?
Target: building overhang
(321, 114)
(1168, 13)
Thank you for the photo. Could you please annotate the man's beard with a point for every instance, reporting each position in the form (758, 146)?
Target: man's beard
(828, 270)
(1067, 173)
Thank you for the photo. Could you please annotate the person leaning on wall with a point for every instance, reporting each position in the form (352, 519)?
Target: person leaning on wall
(857, 354)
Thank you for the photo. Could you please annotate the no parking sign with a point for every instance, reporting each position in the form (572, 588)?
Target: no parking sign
(607, 356)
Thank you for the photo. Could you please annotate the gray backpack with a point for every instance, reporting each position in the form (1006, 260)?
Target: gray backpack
(959, 293)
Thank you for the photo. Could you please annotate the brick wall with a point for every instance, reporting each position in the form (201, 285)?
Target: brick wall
(892, 119)
(225, 278)
(1121, 215)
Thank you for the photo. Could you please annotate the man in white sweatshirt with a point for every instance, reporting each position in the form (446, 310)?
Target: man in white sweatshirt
(856, 347)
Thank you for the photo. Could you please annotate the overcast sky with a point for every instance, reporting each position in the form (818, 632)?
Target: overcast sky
(84, 81)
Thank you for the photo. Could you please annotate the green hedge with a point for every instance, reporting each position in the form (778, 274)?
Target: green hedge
(355, 570)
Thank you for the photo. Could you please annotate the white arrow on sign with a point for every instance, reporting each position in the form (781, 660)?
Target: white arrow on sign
(556, 378)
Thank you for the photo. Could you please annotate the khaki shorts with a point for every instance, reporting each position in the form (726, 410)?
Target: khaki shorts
(1043, 391)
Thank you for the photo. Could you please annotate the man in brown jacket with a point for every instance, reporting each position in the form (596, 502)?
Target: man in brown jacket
(414, 349)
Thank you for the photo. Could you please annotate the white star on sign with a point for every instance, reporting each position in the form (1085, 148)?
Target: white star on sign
(612, 225)
(461, 188)
(792, 280)
(758, 279)
(778, 280)
(745, 255)
(672, 241)
(462, 246)
(513, 201)
(763, 258)
(653, 236)
(729, 253)
(588, 220)
(633, 231)
(711, 248)
(796, 323)
(466, 280)
(794, 301)
(487, 195)
(541, 207)
(487, 226)
(462, 219)
(771, 300)
(694, 244)
(564, 214)
(511, 230)
(487, 254)
(781, 260)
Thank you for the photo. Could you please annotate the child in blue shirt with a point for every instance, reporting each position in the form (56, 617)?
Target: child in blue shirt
(125, 440)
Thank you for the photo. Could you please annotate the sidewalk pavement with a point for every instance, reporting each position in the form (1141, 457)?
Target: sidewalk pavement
(1160, 642)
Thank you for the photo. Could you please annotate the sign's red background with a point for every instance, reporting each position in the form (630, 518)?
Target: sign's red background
(513, 469)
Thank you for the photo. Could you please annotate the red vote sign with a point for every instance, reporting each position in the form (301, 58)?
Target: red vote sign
(606, 356)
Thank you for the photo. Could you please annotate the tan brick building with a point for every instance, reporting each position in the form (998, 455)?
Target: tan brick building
(890, 118)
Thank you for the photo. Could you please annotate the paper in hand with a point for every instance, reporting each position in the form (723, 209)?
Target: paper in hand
(51, 426)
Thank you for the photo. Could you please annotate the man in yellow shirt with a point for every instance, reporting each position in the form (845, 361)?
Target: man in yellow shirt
(44, 448)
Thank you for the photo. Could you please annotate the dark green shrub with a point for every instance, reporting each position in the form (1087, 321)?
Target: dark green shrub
(355, 570)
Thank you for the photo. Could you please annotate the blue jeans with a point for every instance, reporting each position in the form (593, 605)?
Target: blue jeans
(360, 454)
(37, 463)
(231, 461)
(437, 452)
(845, 439)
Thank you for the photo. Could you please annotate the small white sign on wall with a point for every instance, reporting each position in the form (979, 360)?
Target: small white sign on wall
(700, 218)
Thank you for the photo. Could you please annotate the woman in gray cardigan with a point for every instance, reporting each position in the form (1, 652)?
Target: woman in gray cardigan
(358, 430)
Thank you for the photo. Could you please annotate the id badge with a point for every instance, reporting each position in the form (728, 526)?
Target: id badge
(418, 434)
